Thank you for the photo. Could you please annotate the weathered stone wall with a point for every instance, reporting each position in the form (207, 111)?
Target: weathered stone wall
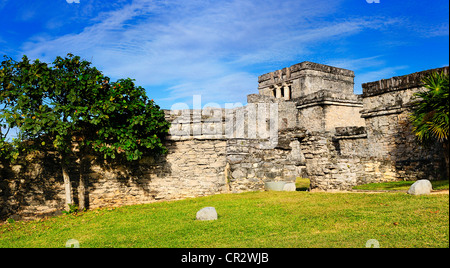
(251, 162)
(192, 168)
(387, 109)
(306, 122)
(383, 149)
(325, 110)
(209, 152)
(30, 188)
(335, 162)
(386, 112)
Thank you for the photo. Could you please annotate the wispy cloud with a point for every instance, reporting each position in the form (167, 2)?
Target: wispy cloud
(357, 64)
(375, 75)
(202, 47)
(367, 69)
(440, 30)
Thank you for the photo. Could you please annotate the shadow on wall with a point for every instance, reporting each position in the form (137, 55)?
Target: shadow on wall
(116, 182)
(414, 161)
(5, 190)
(26, 187)
(34, 186)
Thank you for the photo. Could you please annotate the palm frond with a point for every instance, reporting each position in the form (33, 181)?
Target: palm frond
(430, 111)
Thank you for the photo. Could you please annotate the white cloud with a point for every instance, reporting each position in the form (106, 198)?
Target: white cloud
(201, 46)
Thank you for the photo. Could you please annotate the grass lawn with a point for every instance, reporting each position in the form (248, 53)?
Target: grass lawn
(400, 186)
(250, 220)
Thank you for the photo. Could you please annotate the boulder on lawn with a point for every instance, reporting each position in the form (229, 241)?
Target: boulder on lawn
(207, 214)
(274, 185)
(421, 187)
(290, 187)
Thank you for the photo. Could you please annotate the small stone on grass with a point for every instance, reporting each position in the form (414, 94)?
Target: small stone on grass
(207, 214)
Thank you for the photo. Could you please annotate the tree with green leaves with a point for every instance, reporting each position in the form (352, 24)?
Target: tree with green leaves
(128, 122)
(21, 91)
(430, 112)
(72, 103)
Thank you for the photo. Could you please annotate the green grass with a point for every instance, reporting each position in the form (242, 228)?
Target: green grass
(256, 219)
(400, 186)
(302, 184)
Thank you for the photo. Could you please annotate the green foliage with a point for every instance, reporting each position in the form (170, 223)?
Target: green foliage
(431, 109)
(130, 123)
(72, 102)
(22, 93)
(73, 209)
(76, 86)
(8, 150)
(53, 104)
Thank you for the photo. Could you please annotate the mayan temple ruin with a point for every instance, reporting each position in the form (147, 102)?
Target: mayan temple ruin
(305, 121)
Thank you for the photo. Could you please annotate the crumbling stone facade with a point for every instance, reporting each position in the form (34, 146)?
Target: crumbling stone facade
(384, 148)
(306, 121)
(355, 139)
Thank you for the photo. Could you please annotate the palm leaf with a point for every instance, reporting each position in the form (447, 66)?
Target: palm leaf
(430, 109)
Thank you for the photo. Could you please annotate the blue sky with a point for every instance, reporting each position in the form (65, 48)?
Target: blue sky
(217, 49)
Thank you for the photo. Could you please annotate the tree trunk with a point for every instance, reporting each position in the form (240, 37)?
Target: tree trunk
(67, 184)
(82, 196)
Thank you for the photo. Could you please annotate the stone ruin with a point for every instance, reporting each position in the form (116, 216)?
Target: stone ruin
(305, 122)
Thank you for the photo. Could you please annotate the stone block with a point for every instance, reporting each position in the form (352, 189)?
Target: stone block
(275, 186)
(239, 173)
(289, 187)
(421, 187)
(207, 214)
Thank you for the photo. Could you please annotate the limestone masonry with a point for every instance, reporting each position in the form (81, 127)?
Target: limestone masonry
(305, 122)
